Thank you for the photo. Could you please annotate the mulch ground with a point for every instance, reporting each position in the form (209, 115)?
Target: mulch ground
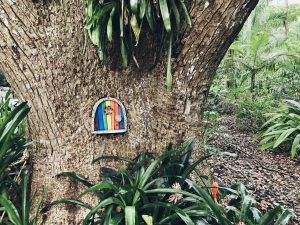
(272, 177)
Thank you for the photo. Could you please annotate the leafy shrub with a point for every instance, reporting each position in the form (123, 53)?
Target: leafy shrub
(261, 67)
(157, 191)
(254, 109)
(211, 116)
(283, 127)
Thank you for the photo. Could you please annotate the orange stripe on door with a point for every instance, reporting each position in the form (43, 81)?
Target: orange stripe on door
(112, 105)
(116, 118)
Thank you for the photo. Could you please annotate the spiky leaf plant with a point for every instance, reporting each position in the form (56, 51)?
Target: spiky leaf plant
(283, 127)
(240, 208)
(12, 143)
(15, 203)
(19, 213)
(122, 21)
(144, 192)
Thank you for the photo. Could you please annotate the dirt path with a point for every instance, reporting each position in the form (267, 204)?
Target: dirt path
(272, 177)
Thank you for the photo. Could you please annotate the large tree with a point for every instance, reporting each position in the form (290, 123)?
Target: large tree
(41, 56)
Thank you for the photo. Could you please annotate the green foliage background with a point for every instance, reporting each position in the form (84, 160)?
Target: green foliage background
(262, 67)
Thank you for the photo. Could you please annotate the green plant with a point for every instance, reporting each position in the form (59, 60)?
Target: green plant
(145, 193)
(262, 65)
(15, 203)
(240, 207)
(20, 214)
(150, 189)
(237, 207)
(254, 109)
(12, 146)
(283, 127)
(124, 20)
(12, 143)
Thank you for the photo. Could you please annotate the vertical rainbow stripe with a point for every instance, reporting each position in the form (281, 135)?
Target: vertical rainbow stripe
(109, 116)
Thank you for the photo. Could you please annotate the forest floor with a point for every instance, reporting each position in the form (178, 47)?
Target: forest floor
(272, 177)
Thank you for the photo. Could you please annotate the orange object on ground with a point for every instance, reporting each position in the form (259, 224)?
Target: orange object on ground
(214, 191)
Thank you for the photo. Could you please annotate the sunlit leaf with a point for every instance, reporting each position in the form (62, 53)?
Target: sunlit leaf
(130, 213)
(164, 9)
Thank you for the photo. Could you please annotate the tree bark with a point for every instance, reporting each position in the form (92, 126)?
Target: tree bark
(41, 56)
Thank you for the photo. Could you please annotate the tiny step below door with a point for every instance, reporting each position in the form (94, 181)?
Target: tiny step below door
(109, 117)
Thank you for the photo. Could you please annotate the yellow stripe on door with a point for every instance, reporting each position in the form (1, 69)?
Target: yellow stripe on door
(109, 116)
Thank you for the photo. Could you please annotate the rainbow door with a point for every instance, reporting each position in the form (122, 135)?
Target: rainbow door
(109, 117)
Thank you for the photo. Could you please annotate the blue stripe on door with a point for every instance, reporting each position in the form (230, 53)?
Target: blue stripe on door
(100, 117)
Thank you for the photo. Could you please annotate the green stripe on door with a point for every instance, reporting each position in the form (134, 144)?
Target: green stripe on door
(104, 115)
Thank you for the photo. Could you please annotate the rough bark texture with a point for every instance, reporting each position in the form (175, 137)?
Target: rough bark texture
(41, 56)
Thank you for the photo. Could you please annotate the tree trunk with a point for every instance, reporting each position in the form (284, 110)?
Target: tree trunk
(253, 76)
(41, 56)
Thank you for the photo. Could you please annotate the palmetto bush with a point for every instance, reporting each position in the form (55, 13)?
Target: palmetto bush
(156, 190)
(283, 127)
